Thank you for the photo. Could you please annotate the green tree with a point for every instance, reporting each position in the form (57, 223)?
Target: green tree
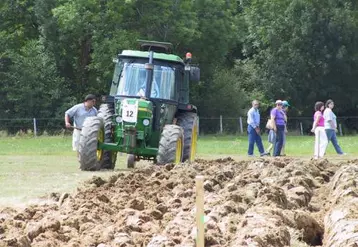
(226, 95)
(32, 85)
(303, 50)
(18, 24)
(53, 51)
(166, 20)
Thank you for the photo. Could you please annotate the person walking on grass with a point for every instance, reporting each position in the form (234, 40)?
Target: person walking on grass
(253, 129)
(285, 106)
(278, 120)
(321, 140)
(271, 138)
(330, 125)
(79, 113)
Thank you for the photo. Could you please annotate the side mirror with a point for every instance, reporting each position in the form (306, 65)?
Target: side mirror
(194, 74)
(107, 99)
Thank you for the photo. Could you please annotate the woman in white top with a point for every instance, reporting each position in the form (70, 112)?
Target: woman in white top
(330, 125)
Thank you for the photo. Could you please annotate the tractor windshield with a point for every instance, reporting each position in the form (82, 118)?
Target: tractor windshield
(133, 81)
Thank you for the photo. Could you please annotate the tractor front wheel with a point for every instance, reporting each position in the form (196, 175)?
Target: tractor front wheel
(89, 156)
(190, 123)
(171, 145)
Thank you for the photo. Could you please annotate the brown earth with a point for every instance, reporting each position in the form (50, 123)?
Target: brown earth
(267, 202)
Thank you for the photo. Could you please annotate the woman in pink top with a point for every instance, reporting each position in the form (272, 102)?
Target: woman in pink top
(321, 140)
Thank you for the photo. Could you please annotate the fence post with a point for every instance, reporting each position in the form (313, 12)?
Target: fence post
(241, 126)
(340, 130)
(221, 124)
(35, 127)
(200, 228)
(198, 126)
(301, 128)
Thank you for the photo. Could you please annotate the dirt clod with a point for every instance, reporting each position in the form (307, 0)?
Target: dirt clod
(33, 230)
(208, 186)
(136, 203)
(51, 224)
(98, 181)
(162, 208)
(156, 214)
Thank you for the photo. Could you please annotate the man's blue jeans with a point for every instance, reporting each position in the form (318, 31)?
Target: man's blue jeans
(280, 135)
(254, 138)
(331, 135)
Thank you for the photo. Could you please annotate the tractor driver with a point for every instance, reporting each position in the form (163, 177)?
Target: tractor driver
(154, 92)
(79, 113)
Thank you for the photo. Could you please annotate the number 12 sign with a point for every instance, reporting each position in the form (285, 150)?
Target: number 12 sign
(129, 112)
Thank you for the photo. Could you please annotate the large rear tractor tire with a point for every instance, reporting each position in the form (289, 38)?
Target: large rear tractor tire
(189, 121)
(171, 145)
(106, 112)
(92, 132)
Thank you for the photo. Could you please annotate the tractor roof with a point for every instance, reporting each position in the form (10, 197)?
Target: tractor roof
(145, 54)
(156, 46)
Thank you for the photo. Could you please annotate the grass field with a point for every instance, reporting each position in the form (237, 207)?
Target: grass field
(34, 167)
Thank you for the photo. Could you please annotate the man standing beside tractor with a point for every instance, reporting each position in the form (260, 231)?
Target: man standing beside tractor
(79, 113)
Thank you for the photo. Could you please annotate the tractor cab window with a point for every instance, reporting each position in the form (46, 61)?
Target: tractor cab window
(117, 72)
(133, 81)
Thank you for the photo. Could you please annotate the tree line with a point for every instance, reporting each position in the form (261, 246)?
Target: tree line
(53, 52)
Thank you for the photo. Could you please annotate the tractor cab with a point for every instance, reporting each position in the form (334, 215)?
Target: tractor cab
(132, 77)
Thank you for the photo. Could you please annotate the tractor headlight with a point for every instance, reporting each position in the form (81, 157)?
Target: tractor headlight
(146, 122)
(119, 119)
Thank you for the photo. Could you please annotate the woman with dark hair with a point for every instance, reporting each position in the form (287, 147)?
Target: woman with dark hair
(278, 120)
(330, 124)
(321, 140)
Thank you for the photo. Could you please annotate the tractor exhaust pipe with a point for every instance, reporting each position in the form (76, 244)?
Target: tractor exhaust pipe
(149, 68)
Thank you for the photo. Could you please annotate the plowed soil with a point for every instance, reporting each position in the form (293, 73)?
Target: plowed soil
(267, 202)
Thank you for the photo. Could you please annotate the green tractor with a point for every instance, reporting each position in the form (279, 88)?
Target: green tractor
(147, 112)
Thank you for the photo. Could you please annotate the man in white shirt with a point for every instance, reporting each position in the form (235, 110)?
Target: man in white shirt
(253, 130)
(79, 113)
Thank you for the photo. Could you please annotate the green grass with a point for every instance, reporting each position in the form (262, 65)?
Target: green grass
(52, 145)
(297, 146)
(34, 167)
